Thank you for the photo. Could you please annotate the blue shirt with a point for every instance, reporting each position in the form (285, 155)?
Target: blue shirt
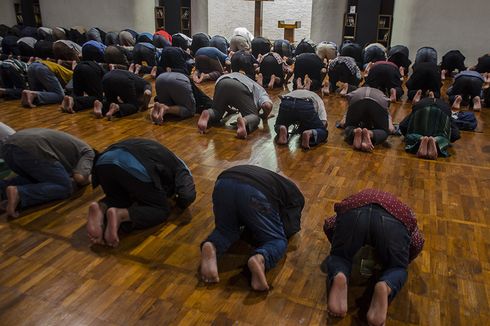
(125, 161)
(101, 47)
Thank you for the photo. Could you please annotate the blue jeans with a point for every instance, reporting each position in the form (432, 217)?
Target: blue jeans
(302, 112)
(238, 205)
(371, 225)
(38, 181)
(44, 81)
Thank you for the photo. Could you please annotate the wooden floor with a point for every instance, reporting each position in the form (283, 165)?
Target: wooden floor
(50, 275)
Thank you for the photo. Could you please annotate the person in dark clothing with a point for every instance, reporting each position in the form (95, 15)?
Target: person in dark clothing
(353, 50)
(49, 164)
(389, 228)
(305, 46)
(161, 42)
(372, 53)
(93, 51)
(483, 65)
(210, 64)
(44, 49)
(274, 71)
(367, 121)
(67, 50)
(13, 74)
(199, 40)
(10, 46)
(466, 89)
(45, 33)
(26, 46)
(424, 81)
(244, 61)
(175, 59)
(87, 79)
(181, 40)
(426, 54)
(96, 34)
(429, 129)
(283, 48)
(145, 53)
(343, 69)
(260, 46)
(264, 203)
(138, 177)
(386, 77)
(220, 42)
(133, 91)
(111, 38)
(117, 55)
(398, 54)
(451, 61)
(312, 66)
(145, 38)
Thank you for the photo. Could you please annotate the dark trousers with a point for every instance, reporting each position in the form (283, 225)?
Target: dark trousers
(302, 112)
(44, 82)
(269, 67)
(86, 80)
(126, 86)
(371, 225)
(385, 77)
(230, 92)
(13, 81)
(238, 205)
(38, 181)
(143, 54)
(367, 114)
(412, 92)
(467, 87)
(92, 53)
(207, 65)
(341, 73)
(146, 204)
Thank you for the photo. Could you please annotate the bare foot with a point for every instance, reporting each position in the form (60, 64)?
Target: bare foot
(241, 128)
(27, 98)
(113, 109)
(357, 139)
(202, 123)
(376, 315)
(111, 231)
(13, 200)
(146, 100)
(153, 72)
(393, 95)
(157, 114)
(457, 103)
(95, 223)
(344, 89)
(443, 74)
(307, 82)
(431, 94)
(256, 264)
(325, 90)
(131, 68)
(417, 96)
(431, 148)
(209, 265)
(272, 82)
(476, 103)
(402, 71)
(137, 68)
(111, 66)
(299, 83)
(337, 297)
(282, 137)
(422, 152)
(366, 145)
(305, 139)
(98, 109)
(67, 104)
(260, 79)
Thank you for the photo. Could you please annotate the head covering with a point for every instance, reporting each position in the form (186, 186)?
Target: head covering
(126, 38)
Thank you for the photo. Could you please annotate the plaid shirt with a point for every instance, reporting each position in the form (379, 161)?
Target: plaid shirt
(349, 62)
(391, 204)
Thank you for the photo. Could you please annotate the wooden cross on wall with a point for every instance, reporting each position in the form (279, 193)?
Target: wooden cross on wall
(258, 17)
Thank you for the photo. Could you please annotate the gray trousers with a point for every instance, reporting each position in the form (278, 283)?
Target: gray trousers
(229, 93)
(174, 88)
(44, 81)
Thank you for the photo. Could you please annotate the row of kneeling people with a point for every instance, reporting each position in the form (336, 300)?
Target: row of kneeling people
(144, 182)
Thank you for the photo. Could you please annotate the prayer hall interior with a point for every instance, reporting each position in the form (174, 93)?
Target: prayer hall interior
(50, 273)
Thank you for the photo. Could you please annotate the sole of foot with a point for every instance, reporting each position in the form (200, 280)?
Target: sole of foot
(376, 315)
(202, 123)
(457, 103)
(305, 139)
(209, 265)
(357, 139)
(366, 145)
(431, 149)
(337, 296)
(95, 224)
(13, 200)
(98, 109)
(422, 152)
(256, 265)
(111, 231)
(241, 131)
(282, 137)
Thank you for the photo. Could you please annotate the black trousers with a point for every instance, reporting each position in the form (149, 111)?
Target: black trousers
(147, 205)
(467, 87)
(87, 79)
(367, 114)
(341, 73)
(13, 81)
(128, 87)
(385, 77)
(269, 67)
(92, 53)
(142, 53)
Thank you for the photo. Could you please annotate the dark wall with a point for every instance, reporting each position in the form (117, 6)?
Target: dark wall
(28, 12)
(367, 18)
(172, 15)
